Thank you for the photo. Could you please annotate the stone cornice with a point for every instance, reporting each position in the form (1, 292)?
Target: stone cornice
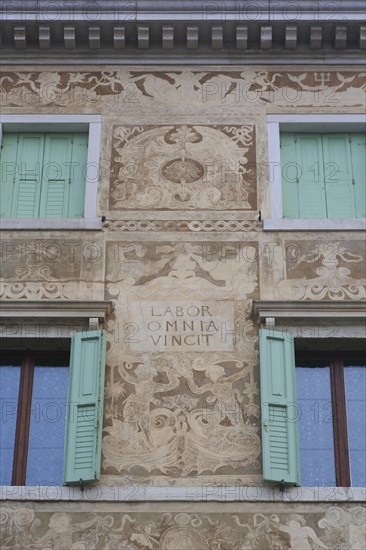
(54, 309)
(341, 311)
(188, 32)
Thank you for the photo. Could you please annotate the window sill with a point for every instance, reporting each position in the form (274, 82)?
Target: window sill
(341, 224)
(50, 224)
(220, 493)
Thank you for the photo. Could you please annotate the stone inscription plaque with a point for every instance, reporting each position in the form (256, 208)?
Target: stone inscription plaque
(182, 326)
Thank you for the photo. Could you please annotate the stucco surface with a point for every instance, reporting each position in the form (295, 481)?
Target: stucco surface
(182, 255)
(201, 526)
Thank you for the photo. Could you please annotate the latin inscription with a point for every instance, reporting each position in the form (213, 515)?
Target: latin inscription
(167, 326)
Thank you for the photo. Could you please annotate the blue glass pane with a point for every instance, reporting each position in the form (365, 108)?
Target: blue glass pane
(47, 426)
(355, 383)
(317, 466)
(9, 392)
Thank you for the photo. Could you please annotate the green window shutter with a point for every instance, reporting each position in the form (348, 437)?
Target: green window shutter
(78, 175)
(280, 445)
(85, 407)
(55, 176)
(289, 170)
(304, 197)
(8, 167)
(358, 154)
(311, 184)
(27, 185)
(338, 176)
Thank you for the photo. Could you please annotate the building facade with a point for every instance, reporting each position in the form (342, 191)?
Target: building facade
(183, 216)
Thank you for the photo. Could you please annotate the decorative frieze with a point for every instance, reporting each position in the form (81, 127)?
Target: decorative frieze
(195, 226)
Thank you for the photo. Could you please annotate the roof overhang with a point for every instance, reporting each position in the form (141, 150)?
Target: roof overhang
(189, 32)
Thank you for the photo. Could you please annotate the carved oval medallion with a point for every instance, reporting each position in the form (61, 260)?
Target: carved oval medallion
(178, 170)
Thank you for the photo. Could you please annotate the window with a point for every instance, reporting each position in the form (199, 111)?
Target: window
(43, 175)
(51, 417)
(317, 172)
(331, 397)
(313, 415)
(33, 388)
(49, 171)
(323, 175)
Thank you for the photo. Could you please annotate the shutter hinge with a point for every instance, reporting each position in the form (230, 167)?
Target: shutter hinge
(353, 181)
(18, 139)
(72, 140)
(295, 139)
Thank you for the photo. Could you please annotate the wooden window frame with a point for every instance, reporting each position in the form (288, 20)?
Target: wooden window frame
(336, 363)
(27, 361)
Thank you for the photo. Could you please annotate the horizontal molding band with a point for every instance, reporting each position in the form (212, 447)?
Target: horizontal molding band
(73, 309)
(341, 311)
(37, 9)
(128, 491)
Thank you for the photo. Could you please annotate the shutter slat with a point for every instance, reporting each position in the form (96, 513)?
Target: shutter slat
(55, 179)
(280, 446)
(312, 203)
(85, 410)
(338, 176)
(289, 170)
(27, 186)
(358, 154)
(303, 189)
(8, 168)
(78, 173)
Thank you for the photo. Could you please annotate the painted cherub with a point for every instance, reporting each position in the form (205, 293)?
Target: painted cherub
(60, 532)
(299, 533)
(136, 408)
(221, 389)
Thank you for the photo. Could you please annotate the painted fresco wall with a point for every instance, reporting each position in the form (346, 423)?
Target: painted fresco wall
(182, 255)
(183, 527)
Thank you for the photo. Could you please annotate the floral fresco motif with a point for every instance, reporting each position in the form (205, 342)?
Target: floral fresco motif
(51, 527)
(336, 278)
(57, 88)
(250, 87)
(46, 268)
(183, 167)
(209, 423)
(196, 267)
(177, 412)
(177, 89)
